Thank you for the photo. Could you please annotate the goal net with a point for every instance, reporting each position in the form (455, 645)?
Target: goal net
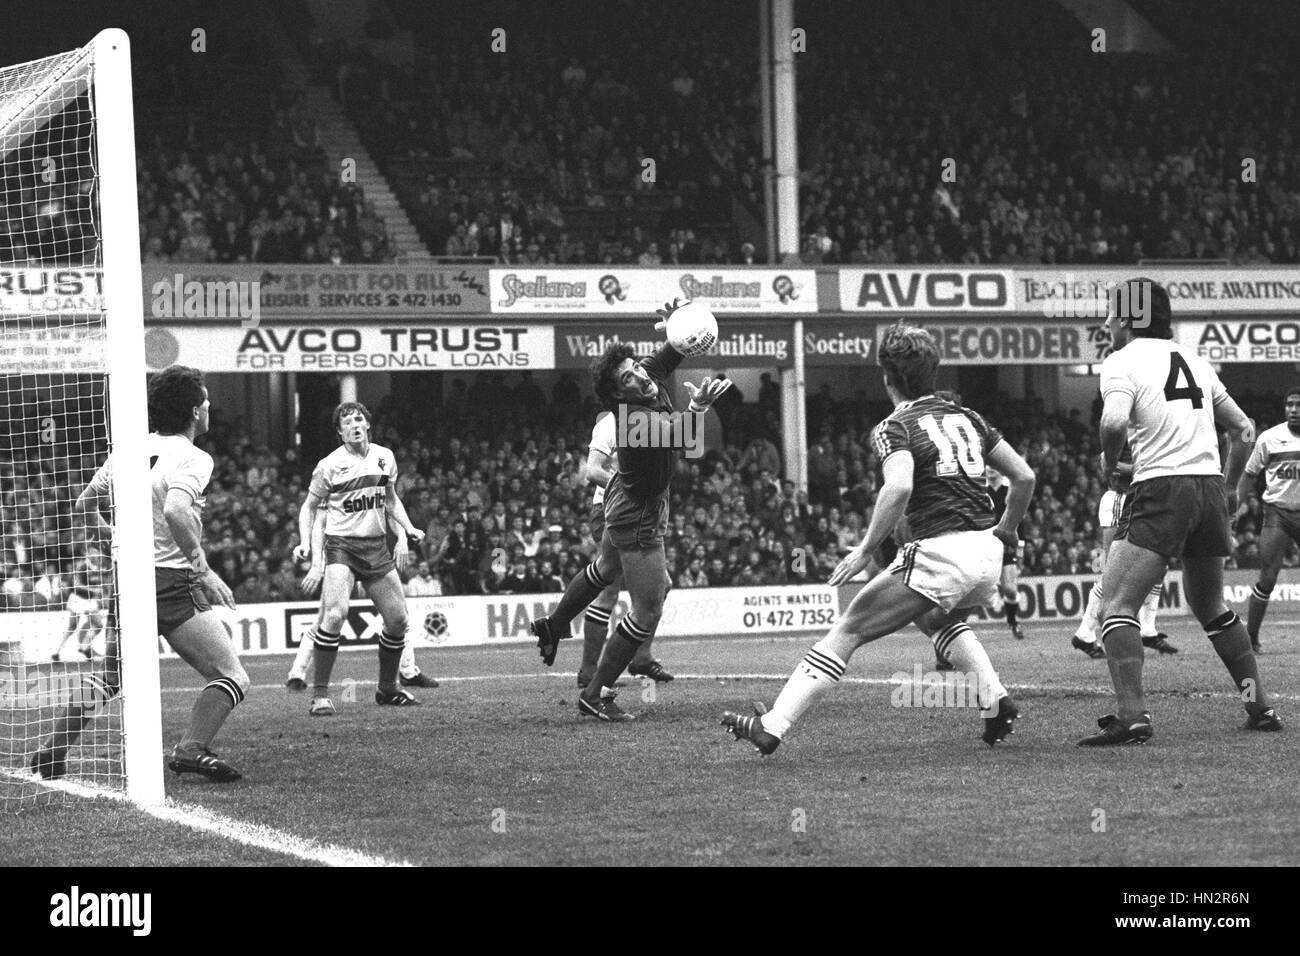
(72, 390)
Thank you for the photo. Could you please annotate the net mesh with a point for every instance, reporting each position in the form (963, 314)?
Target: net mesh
(59, 586)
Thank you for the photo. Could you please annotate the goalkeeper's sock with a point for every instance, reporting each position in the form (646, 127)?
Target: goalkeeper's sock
(214, 705)
(580, 592)
(595, 628)
(1012, 606)
(819, 671)
(618, 653)
(327, 651)
(390, 656)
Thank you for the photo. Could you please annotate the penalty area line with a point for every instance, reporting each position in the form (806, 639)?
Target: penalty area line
(194, 817)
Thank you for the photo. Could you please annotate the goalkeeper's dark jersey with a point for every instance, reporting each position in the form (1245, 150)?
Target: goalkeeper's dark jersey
(646, 472)
(948, 444)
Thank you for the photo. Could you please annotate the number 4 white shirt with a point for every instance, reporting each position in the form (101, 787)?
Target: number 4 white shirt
(1175, 392)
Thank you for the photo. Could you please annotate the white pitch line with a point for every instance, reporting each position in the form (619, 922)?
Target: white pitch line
(1096, 690)
(240, 831)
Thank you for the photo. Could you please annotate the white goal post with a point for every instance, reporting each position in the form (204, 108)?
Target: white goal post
(69, 220)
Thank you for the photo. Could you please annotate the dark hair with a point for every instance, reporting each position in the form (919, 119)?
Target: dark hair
(604, 372)
(1154, 298)
(347, 408)
(910, 358)
(1293, 390)
(948, 395)
(174, 393)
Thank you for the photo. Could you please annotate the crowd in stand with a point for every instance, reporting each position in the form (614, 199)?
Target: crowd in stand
(927, 133)
(496, 483)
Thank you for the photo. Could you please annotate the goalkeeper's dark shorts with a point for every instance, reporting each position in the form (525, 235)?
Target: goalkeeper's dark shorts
(179, 597)
(635, 524)
(369, 558)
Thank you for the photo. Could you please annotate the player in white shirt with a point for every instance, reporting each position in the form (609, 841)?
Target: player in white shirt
(178, 410)
(357, 484)
(1276, 459)
(1167, 401)
(595, 625)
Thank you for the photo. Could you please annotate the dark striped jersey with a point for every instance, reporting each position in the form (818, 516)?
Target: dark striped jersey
(948, 444)
(646, 468)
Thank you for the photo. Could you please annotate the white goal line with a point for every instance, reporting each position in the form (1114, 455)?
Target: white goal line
(240, 831)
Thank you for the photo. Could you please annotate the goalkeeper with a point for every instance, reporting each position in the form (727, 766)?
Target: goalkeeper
(636, 510)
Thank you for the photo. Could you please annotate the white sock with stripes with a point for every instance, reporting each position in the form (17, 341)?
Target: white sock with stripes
(1087, 630)
(959, 644)
(302, 662)
(819, 671)
(1147, 612)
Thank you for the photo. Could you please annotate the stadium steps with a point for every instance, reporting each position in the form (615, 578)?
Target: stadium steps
(339, 139)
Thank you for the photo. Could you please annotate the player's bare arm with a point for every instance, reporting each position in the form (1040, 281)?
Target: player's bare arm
(1114, 428)
(311, 581)
(90, 504)
(891, 506)
(1020, 489)
(309, 549)
(188, 534)
(397, 511)
(1241, 442)
(598, 470)
(1249, 482)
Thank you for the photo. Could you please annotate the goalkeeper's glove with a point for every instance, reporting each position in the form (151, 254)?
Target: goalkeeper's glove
(667, 312)
(703, 396)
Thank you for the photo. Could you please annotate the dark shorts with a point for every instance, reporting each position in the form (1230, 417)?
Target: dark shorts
(368, 558)
(179, 597)
(597, 519)
(1283, 520)
(1177, 516)
(635, 524)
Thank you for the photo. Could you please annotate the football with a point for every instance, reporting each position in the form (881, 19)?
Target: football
(435, 624)
(692, 329)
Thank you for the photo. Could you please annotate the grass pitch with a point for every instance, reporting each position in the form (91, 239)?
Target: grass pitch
(498, 768)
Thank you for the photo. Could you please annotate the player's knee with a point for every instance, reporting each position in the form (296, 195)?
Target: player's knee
(332, 619)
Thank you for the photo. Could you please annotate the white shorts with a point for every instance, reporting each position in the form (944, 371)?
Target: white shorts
(79, 604)
(955, 570)
(1108, 511)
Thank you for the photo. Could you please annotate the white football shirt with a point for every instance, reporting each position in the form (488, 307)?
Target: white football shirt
(1175, 392)
(174, 462)
(1277, 455)
(355, 489)
(603, 439)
